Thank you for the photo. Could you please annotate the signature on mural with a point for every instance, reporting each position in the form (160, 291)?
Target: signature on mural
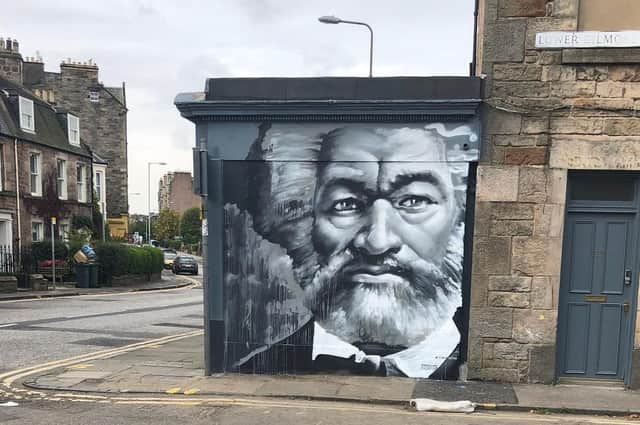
(345, 249)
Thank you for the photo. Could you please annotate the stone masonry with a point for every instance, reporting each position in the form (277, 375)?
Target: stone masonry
(103, 122)
(175, 192)
(546, 111)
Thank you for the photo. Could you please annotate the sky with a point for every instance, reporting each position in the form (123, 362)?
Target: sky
(161, 48)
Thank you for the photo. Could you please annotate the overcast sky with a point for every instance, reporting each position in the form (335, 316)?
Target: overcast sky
(160, 48)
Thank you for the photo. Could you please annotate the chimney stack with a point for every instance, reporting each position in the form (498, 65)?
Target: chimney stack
(11, 63)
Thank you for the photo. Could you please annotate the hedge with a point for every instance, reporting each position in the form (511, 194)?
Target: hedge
(42, 250)
(118, 259)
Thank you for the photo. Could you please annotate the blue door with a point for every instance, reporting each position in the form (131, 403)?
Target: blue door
(596, 300)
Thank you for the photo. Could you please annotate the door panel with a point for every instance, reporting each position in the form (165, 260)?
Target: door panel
(609, 337)
(578, 340)
(615, 260)
(583, 240)
(593, 328)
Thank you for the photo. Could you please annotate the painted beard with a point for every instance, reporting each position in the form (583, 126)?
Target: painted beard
(392, 301)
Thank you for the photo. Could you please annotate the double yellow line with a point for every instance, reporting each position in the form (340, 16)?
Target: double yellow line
(8, 378)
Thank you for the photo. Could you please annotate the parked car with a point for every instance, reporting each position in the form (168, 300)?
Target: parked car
(185, 264)
(169, 256)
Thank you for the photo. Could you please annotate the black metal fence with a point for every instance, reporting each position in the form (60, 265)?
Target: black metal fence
(22, 264)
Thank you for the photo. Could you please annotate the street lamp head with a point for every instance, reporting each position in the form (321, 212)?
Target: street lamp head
(329, 20)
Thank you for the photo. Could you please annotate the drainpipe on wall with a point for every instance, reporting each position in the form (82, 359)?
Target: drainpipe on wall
(474, 61)
(15, 154)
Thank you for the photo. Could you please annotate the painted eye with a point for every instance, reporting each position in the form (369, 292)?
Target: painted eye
(346, 206)
(415, 202)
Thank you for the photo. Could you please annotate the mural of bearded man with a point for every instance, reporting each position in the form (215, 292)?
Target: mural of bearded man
(356, 240)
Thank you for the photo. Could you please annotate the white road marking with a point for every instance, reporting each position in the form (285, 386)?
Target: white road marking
(8, 325)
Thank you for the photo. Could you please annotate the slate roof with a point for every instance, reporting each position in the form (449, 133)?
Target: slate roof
(117, 93)
(49, 131)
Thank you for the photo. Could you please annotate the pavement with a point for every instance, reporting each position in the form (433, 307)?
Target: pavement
(168, 281)
(176, 367)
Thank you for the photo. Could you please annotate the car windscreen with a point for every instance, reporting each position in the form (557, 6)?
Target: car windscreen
(169, 255)
(187, 260)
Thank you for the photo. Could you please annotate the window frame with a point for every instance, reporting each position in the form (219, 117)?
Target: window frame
(27, 126)
(94, 96)
(39, 231)
(73, 130)
(61, 182)
(81, 184)
(62, 233)
(99, 184)
(2, 188)
(37, 174)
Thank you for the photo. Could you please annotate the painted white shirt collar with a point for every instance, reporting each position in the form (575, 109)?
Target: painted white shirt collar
(418, 361)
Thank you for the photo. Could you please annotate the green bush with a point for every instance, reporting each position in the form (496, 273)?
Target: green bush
(113, 258)
(157, 259)
(42, 250)
(117, 259)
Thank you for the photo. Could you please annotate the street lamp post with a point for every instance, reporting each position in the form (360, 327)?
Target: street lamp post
(149, 164)
(336, 20)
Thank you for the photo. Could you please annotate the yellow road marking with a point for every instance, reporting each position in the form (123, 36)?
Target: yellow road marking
(9, 377)
(174, 390)
(80, 366)
(192, 391)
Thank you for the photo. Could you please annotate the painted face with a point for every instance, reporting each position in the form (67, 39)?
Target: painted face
(385, 212)
(392, 195)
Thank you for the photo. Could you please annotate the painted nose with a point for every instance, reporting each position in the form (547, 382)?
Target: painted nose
(378, 236)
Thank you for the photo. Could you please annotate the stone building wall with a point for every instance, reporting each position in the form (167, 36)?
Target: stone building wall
(41, 207)
(102, 122)
(175, 192)
(31, 206)
(546, 111)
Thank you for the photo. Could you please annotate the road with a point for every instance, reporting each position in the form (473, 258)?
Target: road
(259, 412)
(38, 331)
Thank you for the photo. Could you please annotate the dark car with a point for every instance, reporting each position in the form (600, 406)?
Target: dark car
(185, 264)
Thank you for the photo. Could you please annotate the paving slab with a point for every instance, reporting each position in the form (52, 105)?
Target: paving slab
(167, 282)
(178, 367)
(579, 398)
(477, 392)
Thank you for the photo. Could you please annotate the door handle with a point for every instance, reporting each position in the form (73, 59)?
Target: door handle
(627, 276)
(625, 307)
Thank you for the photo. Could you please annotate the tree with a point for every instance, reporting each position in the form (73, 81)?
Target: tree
(166, 226)
(139, 225)
(190, 226)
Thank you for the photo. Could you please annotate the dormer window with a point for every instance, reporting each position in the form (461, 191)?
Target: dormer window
(73, 129)
(27, 121)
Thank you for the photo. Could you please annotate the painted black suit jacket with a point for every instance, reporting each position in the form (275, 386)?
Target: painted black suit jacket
(293, 355)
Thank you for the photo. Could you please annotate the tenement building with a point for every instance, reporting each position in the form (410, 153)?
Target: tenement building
(554, 290)
(175, 192)
(102, 110)
(45, 169)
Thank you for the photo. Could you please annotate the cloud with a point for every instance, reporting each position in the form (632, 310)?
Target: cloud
(162, 47)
